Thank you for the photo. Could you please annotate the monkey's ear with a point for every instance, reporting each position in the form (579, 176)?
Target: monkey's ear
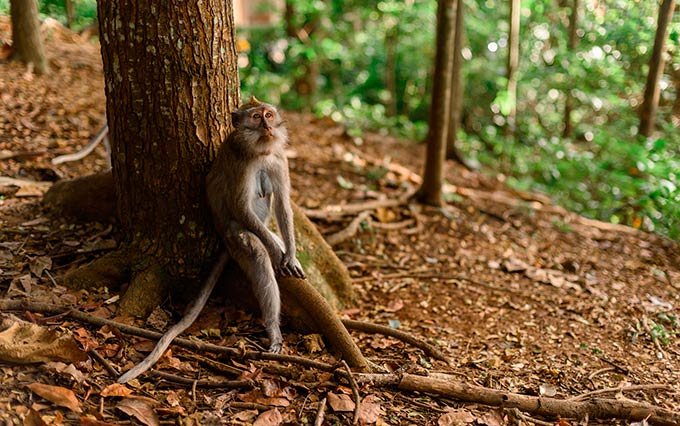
(235, 119)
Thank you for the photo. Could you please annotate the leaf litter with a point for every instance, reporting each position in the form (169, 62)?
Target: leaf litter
(523, 296)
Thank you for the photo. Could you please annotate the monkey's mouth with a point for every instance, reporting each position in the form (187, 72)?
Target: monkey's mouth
(267, 136)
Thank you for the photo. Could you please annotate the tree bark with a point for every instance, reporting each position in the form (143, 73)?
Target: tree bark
(573, 41)
(27, 43)
(656, 63)
(171, 82)
(430, 191)
(513, 64)
(456, 100)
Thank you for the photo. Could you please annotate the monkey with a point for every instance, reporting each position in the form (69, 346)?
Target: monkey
(102, 135)
(248, 177)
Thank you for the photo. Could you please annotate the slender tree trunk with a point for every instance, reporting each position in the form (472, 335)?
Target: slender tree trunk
(456, 100)
(391, 39)
(171, 83)
(656, 64)
(513, 63)
(573, 41)
(430, 191)
(70, 14)
(27, 43)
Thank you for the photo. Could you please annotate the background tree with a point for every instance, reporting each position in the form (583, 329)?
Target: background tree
(656, 64)
(27, 44)
(430, 191)
(513, 64)
(456, 100)
(571, 44)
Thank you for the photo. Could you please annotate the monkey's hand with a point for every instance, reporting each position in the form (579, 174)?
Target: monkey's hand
(290, 266)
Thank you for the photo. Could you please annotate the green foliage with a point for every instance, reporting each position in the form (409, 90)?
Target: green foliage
(84, 11)
(603, 170)
(351, 51)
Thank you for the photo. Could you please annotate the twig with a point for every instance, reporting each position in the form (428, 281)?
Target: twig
(217, 384)
(351, 209)
(393, 226)
(521, 416)
(349, 231)
(23, 305)
(320, 412)
(600, 371)
(623, 389)
(51, 278)
(250, 406)
(355, 391)
(618, 367)
(104, 363)
(368, 327)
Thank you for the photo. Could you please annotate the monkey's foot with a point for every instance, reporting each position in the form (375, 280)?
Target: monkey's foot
(276, 348)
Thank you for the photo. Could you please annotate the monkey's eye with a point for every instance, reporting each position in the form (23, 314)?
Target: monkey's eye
(268, 115)
(257, 116)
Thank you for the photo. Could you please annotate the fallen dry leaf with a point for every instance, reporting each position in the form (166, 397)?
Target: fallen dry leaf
(246, 416)
(369, 410)
(340, 403)
(39, 264)
(456, 418)
(33, 419)
(116, 389)
(69, 370)
(269, 418)
(22, 342)
(57, 395)
(313, 343)
(139, 408)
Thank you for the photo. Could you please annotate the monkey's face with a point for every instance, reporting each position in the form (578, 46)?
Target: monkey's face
(261, 125)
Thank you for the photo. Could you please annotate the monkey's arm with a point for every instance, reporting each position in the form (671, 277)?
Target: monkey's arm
(284, 219)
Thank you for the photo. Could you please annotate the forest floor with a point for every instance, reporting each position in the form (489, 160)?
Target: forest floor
(521, 295)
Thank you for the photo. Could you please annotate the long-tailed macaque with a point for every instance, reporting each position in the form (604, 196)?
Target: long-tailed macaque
(248, 177)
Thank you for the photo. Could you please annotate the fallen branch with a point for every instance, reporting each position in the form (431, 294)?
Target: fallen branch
(355, 392)
(419, 343)
(320, 413)
(541, 406)
(623, 389)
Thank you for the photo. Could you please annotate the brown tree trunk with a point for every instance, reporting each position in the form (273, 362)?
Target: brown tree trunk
(513, 64)
(456, 100)
(391, 40)
(70, 15)
(171, 83)
(27, 44)
(430, 191)
(573, 41)
(656, 64)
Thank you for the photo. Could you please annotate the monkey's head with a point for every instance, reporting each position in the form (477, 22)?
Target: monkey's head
(260, 126)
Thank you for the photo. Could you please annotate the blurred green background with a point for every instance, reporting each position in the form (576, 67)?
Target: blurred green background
(368, 64)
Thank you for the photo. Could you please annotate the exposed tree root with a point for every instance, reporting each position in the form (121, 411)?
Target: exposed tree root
(419, 343)
(438, 384)
(350, 231)
(326, 321)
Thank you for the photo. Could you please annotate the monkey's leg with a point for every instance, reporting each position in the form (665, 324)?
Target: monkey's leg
(252, 257)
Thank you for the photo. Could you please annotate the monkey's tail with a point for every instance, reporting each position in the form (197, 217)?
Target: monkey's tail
(191, 314)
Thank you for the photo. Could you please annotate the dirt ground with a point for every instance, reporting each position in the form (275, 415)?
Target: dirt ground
(520, 295)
